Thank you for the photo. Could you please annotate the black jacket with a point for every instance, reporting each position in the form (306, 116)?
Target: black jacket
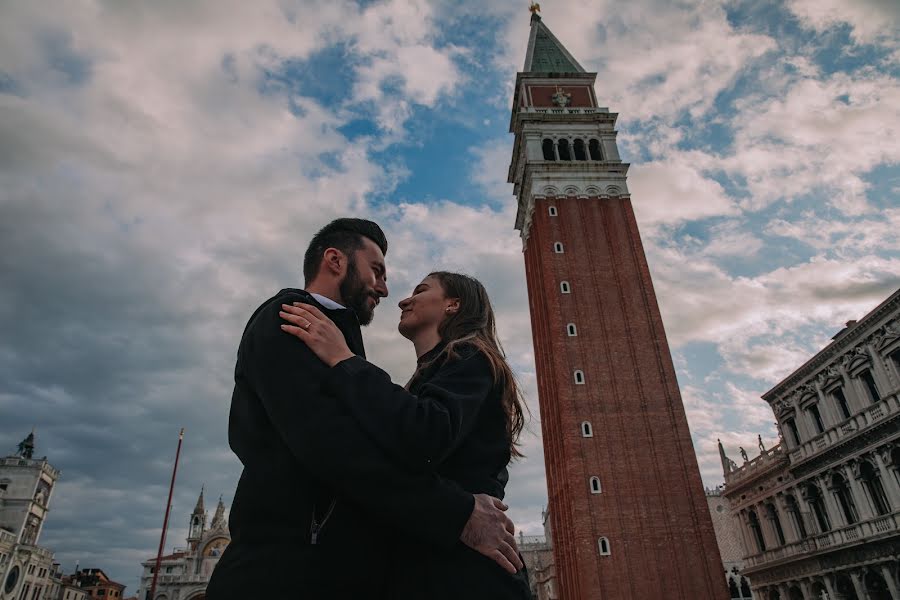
(452, 421)
(301, 449)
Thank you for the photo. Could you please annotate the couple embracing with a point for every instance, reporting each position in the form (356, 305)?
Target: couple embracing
(354, 486)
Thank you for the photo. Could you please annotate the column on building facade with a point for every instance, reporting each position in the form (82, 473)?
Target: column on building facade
(784, 591)
(806, 588)
(889, 579)
(888, 481)
(832, 506)
(860, 496)
(766, 526)
(801, 420)
(746, 536)
(829, 412)
(879, 370)
(853, 399)
(856, 578)
(791, 535)
(832, 593)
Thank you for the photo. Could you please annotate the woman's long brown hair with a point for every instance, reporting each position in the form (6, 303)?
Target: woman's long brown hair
(474, 324)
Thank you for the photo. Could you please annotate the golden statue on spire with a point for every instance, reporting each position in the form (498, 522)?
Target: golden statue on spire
(534, 8)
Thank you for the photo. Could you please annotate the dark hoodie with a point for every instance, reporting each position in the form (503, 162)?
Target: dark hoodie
(308, 465)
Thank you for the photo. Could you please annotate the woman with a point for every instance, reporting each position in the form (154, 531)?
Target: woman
(461, 414)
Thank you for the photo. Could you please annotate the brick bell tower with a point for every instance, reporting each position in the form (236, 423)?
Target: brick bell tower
(628, 515)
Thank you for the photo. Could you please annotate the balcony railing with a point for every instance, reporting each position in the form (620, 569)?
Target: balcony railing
(761, 463)
(564, 110)
(877, 526)
(7, 537)
(861, 421)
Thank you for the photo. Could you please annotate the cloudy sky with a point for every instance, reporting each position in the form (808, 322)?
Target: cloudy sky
(163, 165)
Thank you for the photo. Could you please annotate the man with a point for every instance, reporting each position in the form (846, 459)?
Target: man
(319, 509)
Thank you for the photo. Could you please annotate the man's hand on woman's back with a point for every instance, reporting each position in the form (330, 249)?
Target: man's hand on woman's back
(490, 532)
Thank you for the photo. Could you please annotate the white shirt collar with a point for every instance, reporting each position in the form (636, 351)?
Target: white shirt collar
(326, 302)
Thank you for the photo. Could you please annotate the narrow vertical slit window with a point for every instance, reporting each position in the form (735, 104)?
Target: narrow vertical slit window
(571, 330)
(552, 211)
(586, 429)
(604, 546)
(579, 377)
(595, 485)
(558, 247)
(565, 288)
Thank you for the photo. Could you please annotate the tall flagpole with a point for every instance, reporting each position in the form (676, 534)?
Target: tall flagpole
(162, 538)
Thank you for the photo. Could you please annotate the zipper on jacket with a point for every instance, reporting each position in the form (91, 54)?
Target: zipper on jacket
(315, 527)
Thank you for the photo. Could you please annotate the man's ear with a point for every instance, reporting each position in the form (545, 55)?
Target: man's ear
(334, 262)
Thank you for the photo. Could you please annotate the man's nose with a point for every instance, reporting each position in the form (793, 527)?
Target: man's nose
(403, 303)
(381, 289)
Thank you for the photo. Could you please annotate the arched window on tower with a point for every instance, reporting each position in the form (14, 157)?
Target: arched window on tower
(733, 590)
(580, 150)
(558, 247)
(579, 377)
(562, 146)
(586, 429)
(595, 485)
(547, 149)
(745, 588)
(571, 330)
(872, 482)
(594, 148)
(551, 210)
(604, 546)
(564, 287)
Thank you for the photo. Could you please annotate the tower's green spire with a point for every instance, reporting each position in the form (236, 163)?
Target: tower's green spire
(546, 54)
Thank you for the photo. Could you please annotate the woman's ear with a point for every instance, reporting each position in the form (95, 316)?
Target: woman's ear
(452, 306)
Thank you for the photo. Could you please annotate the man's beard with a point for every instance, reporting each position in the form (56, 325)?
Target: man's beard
(355, 295)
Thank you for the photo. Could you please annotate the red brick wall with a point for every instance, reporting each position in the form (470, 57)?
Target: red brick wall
(652, 508)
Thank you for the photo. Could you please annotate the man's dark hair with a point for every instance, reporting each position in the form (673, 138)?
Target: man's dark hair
(344, 234)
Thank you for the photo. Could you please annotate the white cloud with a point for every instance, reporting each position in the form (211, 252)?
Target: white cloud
(871, 21)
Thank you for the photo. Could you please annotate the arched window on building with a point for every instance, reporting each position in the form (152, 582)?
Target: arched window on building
(733, 588)
(580, 150)
(586, 429)
(571, 330)
(757, 531)
(564, 287)
(844, 497)
(841, 401)
(772, 515)
(562, 146)
(745, 588)
(795, 433)
(869, 383)
(604, 546)
(793, 510)
(595, 485)
(872, 482)
(594, 149)
(813, 497)
(579, 377)
(815, 417)
(547, 149)
(558, 247)
(552, 211)
(876, 587)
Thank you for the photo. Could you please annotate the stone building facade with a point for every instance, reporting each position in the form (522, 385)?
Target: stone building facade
(728, 538)
(623, 483)
(26, 486)
(819, 513)
(185, 573)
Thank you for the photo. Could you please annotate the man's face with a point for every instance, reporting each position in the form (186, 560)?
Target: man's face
(365, 282)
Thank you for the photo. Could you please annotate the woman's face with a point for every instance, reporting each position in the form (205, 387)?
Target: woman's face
(425, 308)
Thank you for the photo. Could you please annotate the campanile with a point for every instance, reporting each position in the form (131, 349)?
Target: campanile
(628, 514)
